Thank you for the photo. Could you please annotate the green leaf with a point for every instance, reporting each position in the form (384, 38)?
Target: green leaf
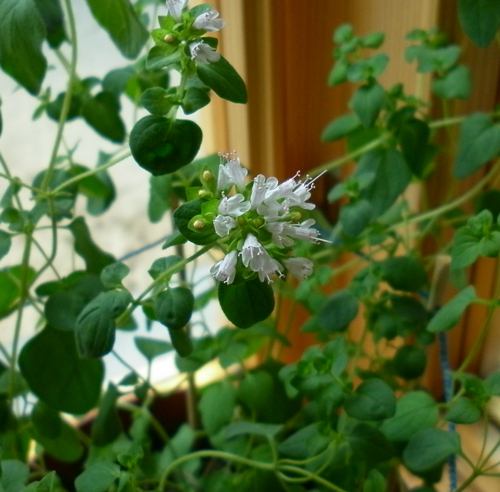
(161, 265)
(463, 411)
(306, 442)
(98, 477)
(113, 274)
(22, 32)
(372, 400)
(480, 19)
(98, 189)
(152, 348)
(59, 439)
(430, 448)
(160, 196)
(479, 142)
(182, 217)
(340, 309)
(404, 273)
(51, 366)
(410, 362)
(181, 341)
(216, 406)
(53, 18)
(174, 307)
(95, 259)
(156, 100)
(179, 445)
(5, 243)
(355, 216)
(70, 296)
(492, 383)
(121, 22)
(340, 127)
(49, 483)
(95, 325)
(449, 315)
(246, 302)
(373, 40)
(477, 238)
(454, 85)
(367, 102)
(224, 80)
(102, 113)
(375, 482)
(13, 475)
(343, 33)
(251, 428)
(392, 176)
(194, 99)
(162, 146)
(10, 287)
(107, 425)
(415, 411)
(413, 137)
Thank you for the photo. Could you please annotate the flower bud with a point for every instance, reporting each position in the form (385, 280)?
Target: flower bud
(295, 216)
(169, 38)
(258, 222)
(199, 224)
(207, 175)
(204, 194)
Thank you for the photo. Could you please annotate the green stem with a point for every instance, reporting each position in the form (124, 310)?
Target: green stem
(161, 278)
(90, 172)
(447, 207)
(67, 96)
(20, 311)
(485, 329)
(331, 165)
(313, 477)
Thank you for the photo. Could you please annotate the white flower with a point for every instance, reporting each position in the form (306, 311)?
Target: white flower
(255, 257)
(231, 173)
(299, 267)
(208, 21)
(261, 187)
(175, 7)
(234, 205)
(203, 53)
(302, 193)
(223, 225)
(280, 238)
(225, 270)
(283, 233)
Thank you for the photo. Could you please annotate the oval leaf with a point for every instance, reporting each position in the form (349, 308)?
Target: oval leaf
(246, 302)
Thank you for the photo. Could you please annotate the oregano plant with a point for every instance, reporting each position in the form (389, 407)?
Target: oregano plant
(354, 410)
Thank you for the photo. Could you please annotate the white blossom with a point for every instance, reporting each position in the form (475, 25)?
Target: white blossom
(283, 233)
(175, 7)
(231, 173)
(234, 205)
(261, 187)
(225, 269)
(301, 193)
(299, 267)
(223, 225)
(208, 21)
(255, 257)
(203, 52)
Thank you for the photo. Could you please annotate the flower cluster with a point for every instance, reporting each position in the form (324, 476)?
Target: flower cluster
(261, 220)
(207, 21)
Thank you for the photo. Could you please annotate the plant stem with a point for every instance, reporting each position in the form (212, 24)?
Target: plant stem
(331, 165)
(465, 197)
(90, 172)
(479, 342)
(67, 96)
(161, 278)
(20, 311)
